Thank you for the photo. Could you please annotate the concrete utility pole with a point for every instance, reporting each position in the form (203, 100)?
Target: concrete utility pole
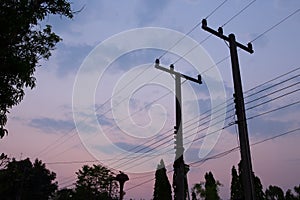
(248, 183)
(179, 176)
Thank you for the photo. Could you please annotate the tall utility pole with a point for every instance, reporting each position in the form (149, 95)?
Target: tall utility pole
(248, 183)
(179, 165)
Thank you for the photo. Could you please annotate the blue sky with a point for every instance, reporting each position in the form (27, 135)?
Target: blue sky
(45, 117)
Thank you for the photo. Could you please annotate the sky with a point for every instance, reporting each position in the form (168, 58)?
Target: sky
(100, 98)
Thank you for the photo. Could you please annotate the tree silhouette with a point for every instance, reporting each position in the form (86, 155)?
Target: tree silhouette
(290, 196)
(23, 42)
(4, 160)
(64, 194)
(24, 180)
(162, 186)
(237, 191)
(274, 193)
(209, 189)
(297, 190)
(95, 182)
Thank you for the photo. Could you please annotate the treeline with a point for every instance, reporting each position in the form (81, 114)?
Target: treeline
(209, 189)
(24, 179)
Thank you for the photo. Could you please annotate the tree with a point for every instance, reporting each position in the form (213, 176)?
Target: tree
(297, 191)
(64, 194)
(194, 196)
(162, 186)
(258, 187)
(24, 180)
(209, 189)
(290, 196)
(4, 160)
(23, 43)
(237, 191)
(235, 188)
(274, 193)
(95, 182)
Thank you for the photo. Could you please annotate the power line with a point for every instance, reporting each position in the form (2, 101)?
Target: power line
(268, 30)
(273, 110)
(275, 25)
(222, 154)
(227, 152)
(273, 79)
(271, 86)
(218, 110)
(229, 124)
(191, 30)
(238, 13)
(202, 137)
(219, 6)
(274, 92)
(260, 35)
(236, 148)
(121, 119)
(205, 39)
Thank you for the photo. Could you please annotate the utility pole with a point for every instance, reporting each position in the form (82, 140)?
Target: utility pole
(248, 183)
(179, 165)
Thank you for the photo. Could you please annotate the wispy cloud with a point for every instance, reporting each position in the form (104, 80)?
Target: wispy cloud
(133, 147)
(49, 125)
(105, 121)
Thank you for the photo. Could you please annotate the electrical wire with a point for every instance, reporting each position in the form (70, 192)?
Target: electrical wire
(284, 95)
(275, 25)
(219, 6)
(48, 146)
(205, 39)
(191, 30)
(273, 79)
(236, 148)
(271, 86)
(232, 103)
(222, 154)
(238, 13)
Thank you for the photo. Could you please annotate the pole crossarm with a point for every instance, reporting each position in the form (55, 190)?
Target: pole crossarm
(171, 71)
(219, 33)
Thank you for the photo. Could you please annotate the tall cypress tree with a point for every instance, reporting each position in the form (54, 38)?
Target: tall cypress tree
(211, 187)
(162, 187)
(237, 192)
(207, 190)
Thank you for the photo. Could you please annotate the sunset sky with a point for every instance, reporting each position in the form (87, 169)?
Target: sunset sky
(75, 115)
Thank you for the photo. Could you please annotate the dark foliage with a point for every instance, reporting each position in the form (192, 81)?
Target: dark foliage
(95, 182)
(23, 42)
(26, 180)
(162, 186)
